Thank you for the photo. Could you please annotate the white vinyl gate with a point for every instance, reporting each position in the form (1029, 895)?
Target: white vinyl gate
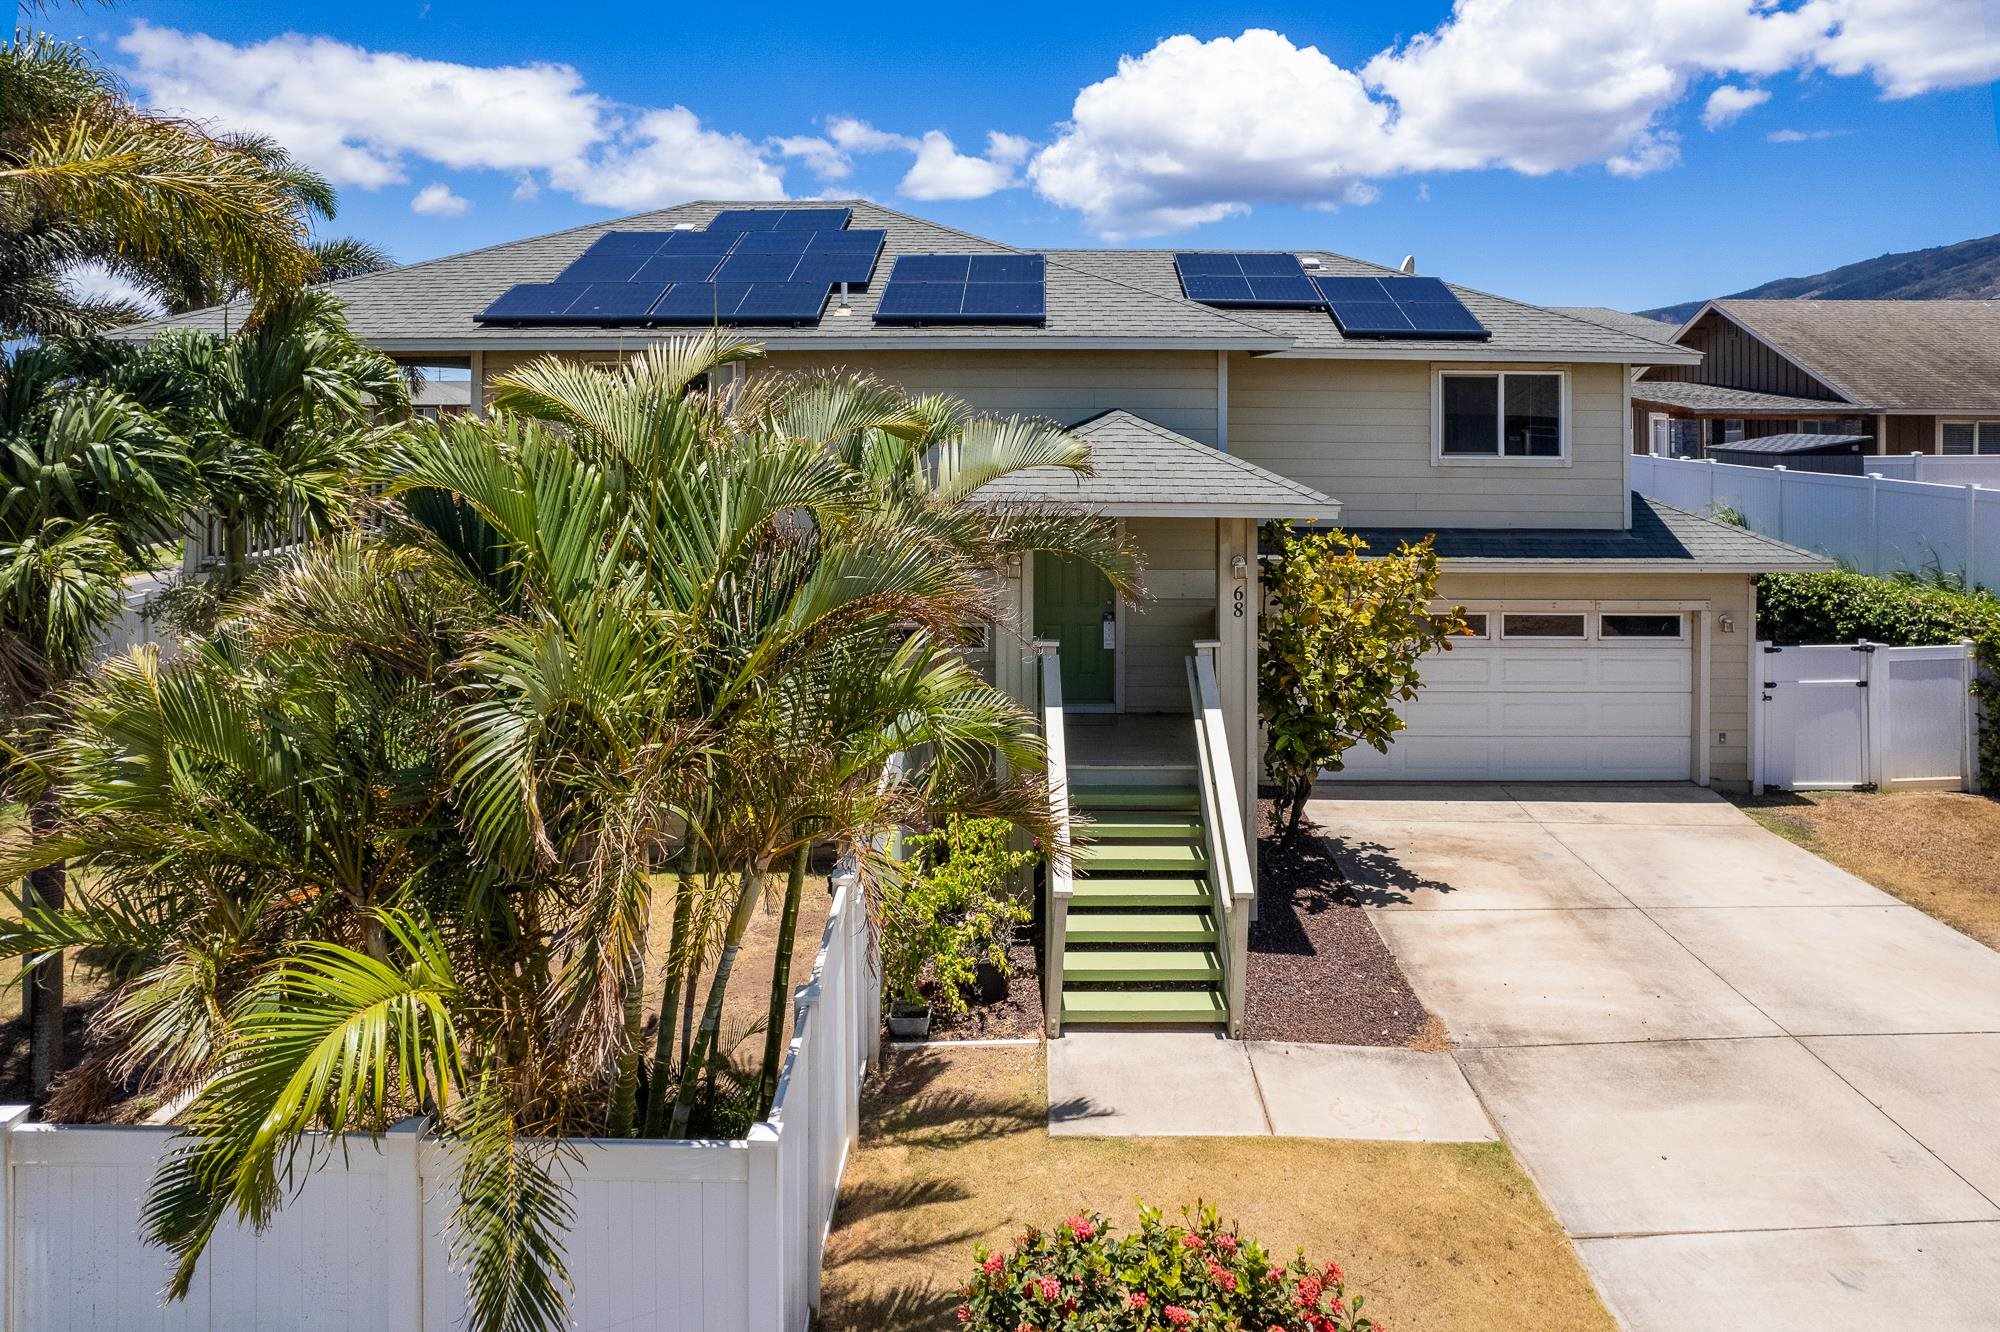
(1863, 715)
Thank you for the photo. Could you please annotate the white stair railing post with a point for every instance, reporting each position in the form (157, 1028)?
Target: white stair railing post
(1058, 873)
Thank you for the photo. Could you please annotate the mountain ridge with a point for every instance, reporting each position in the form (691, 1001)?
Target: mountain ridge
(1966, 270)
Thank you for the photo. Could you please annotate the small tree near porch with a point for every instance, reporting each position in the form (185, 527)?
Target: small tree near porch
(1342, 637)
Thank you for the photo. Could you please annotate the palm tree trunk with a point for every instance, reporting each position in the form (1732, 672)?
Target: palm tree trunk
(670, 1002)
(44, 994)
(711, 1014)
(781, 982)
(625, 1090)
(689, 975)
(235, 548)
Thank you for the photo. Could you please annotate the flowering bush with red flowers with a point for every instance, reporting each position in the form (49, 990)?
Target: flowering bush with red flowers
(1200, 1275)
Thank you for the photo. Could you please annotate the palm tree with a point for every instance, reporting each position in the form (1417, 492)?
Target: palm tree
(293, 408)
(92, 488)
(387, 845)
(86, 177)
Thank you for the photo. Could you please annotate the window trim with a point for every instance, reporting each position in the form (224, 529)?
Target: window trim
(1439, 458)
(1974, 422)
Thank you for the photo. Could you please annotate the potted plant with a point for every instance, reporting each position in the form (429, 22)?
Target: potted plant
(950, 916)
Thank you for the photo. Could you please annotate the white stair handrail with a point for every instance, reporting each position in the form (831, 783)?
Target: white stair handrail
(1061, 883)
(1229, 860)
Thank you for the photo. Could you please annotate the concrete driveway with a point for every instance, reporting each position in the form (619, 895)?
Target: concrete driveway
(1757, 1092)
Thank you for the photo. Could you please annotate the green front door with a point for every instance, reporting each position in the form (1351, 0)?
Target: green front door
(1073, 605)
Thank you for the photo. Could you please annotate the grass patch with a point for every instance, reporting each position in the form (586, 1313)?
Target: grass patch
(955, 1150)
(1932, 849)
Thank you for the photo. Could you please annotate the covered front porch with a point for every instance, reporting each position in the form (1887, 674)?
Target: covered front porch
(1149, 707)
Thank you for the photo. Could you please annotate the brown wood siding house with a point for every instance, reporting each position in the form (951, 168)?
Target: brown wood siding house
(1915, 376)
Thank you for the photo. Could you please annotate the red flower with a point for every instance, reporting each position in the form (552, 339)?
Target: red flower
(1080, 1227)
(1226, 1243)
(1333, 1274)
(993, 1264)
(1309, 1289)
(1221, 1275)
(964, 1314)
(1192, 1242)
(1139, 1300)
(1047, 1287)
(1275, 1274)
(1176, 1315)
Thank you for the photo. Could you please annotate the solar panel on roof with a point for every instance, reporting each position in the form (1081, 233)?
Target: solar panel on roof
(1398, 307)
(700, 242)
(965, 289)
(699, 302)
(671, 268)
(830, 270)
(603, 268)
(1247, 281)
(740, 267)
(614, 302)
(533, 303)
(773, 242)
(780, 219)
(780, 303)
(865, 239)
(629, 242)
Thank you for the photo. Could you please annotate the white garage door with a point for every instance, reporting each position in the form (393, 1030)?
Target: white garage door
(1548, 695)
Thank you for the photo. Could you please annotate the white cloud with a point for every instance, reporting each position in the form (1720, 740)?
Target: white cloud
(1802, 136)
(943, 172)
(1728, 103)
(437, 200)
(363, 117)
(822, 158)
(93, 281)
(526, 189)
(1192, 131)
(858, 136)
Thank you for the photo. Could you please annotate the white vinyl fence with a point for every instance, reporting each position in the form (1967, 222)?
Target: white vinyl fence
(720, 1236)
(1859, 715)
(1875, 525)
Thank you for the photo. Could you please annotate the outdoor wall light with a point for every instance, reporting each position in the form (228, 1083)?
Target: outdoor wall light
(1239, 568)
(1726, 622)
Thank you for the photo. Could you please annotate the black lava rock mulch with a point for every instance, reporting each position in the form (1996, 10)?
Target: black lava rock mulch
(1318, 970)
(1018, 1015)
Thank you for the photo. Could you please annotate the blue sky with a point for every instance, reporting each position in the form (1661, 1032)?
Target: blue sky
(1564, 151)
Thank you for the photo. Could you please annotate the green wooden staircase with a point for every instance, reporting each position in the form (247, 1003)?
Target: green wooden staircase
(1142, 944)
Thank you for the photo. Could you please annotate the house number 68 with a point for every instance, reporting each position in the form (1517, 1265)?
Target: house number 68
(1242, 598)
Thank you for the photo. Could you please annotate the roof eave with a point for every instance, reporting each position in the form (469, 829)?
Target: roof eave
(1479, 352)
(999, 342)
(1299, 511)
(1478, 564)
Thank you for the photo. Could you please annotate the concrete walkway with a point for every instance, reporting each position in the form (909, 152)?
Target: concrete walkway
(1182, 1083)
(1756, 1091)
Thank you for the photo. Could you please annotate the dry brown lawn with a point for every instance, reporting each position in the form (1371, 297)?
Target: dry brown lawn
(1933, 849)
(955, 1151)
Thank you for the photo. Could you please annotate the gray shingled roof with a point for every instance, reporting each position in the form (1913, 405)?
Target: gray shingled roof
(1661, 536)
(1792, 444)
(1899, 356)
(1720, 401)
(1096, 298)
(1143, 469)
(1518, 329)
(1658, 330)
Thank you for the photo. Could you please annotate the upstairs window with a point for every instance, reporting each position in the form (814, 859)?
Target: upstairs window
(1504, 416)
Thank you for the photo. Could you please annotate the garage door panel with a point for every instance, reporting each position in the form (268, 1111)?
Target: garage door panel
(1540, 669)
(1515, 710)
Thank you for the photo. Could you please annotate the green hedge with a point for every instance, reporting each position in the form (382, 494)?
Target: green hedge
(1897, 612)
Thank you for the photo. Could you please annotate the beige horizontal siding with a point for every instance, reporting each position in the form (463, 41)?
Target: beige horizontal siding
(1173, 389)
(1160, 632)
(1361, 432)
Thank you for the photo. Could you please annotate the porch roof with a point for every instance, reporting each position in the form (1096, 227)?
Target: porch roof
(1144, 470)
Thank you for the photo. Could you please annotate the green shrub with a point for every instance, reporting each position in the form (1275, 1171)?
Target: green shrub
(952, 909)
(1897, 612)
(1200, 1275)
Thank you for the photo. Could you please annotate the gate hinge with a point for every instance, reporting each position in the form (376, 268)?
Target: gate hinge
(1864, 647)
(1772, 647)
(1770, 684)
(1860, 684)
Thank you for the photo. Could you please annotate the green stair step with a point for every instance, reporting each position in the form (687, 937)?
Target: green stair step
(1104, 891)
(1144, 857)
(1096, 796)
(1172, 1006)
(1124, 825)
(1140, 927)
(1164, 966)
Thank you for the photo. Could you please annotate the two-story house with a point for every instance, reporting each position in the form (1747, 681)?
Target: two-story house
(1903, 376)
(1612, 637)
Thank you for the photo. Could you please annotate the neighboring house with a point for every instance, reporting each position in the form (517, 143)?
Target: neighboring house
(1657, 330)
(1612, 638)
(1911, 376)
(439, 398)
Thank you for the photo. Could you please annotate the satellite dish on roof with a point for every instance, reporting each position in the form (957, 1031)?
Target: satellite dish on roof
(1409, 264)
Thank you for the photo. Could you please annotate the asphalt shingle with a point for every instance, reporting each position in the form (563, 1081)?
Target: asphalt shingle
(1898, 356)
(1141, 467)
(1715, 398)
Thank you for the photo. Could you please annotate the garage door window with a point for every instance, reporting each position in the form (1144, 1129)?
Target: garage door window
(1639, 626)
(1528, 625)
(1475, 622)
